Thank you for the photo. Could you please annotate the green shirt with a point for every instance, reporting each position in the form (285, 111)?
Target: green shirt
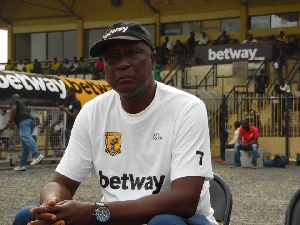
(156, 75)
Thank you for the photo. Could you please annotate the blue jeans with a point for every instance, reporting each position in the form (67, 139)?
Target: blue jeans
(28, 144)
(237, 154)
(23, 217)
(167, 219)
(227, 146)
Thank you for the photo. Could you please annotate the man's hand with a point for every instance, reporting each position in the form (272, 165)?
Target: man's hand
(69, 212)
(11, 125)
(62, 108)
(243, 144)
(43, 215)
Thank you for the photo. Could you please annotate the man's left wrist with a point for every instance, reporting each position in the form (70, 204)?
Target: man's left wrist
(101, 213)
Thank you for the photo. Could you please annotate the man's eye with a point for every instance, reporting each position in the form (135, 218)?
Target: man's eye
(133, 52)
(110, 57)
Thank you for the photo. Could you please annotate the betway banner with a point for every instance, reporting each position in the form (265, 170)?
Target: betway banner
(41, 90)
(235, 52)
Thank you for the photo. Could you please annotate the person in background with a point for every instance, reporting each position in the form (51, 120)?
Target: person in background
(76, 66)
(37, 67)
(179, 49)
(28, 66)
(169, 43)
(156, 73)
(282, 38)
(249, 39)
(203, 40)
(223, 39)
(191, 44)
(84, 66)
(247, 141)
(94, 71)
(66, 67)
(9, 66)
(20, 115)
(100, 68)
(261, 83)
(163, 55)
(234, 141)
(54, 67)
(20, 66)
(141, 130)
(71, 108)
(280, 56)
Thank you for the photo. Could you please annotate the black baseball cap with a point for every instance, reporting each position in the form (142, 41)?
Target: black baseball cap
(122, 30)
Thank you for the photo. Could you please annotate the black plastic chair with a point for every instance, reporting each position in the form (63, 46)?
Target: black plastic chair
(221, 199)
(292, 215)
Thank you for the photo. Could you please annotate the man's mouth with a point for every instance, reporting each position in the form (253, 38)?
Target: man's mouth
(125, 79)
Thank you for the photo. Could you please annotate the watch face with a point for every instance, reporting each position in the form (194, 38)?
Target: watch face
(102, 213)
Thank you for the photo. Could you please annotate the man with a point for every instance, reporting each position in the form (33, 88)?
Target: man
(54, 67)
(169, 43)
(71, 108)
(261, 82)
(37, 67)
(20, 66)
(147, 142)
(247, 141)
(75, 66)
(98, 70)
(203, 40)
(9, 66)
(191, 43)
(249, 39)
(20, 115)
(223, 39)
(280, 56)
(231, 144)
(29, 67)
(179, 49)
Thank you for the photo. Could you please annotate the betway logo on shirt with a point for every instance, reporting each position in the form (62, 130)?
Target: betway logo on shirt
(128, 181)
(229, 53)
(119, 29)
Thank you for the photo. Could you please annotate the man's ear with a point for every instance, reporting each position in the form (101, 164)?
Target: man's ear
(153, 59)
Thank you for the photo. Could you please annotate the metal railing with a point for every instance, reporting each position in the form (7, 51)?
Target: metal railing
(48, 134)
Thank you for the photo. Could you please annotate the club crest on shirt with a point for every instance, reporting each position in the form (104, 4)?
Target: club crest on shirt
(113, 143)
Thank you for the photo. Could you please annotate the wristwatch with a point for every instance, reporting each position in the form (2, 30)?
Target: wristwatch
(101, 213)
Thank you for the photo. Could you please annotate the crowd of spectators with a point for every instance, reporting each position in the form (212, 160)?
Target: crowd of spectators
(168, 55)
(55, 67)
(282, 46)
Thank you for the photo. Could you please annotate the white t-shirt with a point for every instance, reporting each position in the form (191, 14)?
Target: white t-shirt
(136, 155)
(20, 67)
(235, 137)
(170, 45)
(247, 41)
(202, 40)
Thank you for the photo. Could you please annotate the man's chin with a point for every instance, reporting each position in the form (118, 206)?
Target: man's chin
(129, 92)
